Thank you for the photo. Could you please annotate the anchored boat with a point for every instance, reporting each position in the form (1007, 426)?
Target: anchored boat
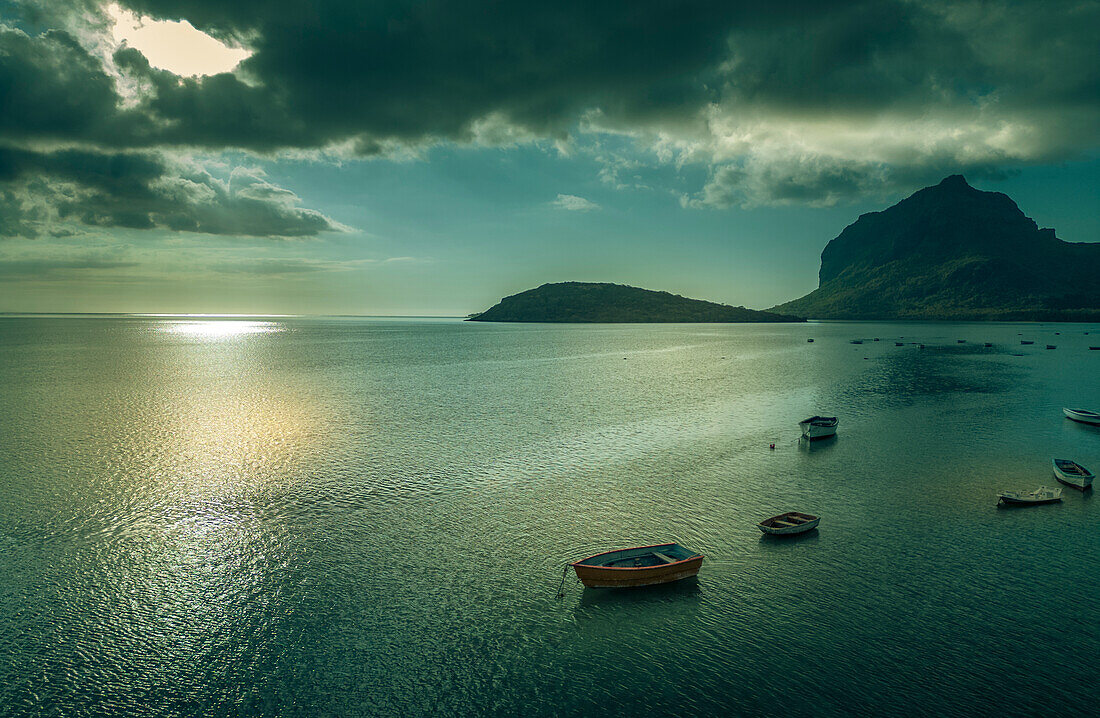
(789, 523)
(818, 427)
(1082, 415)
(1041, 495)
(1072, 474)
(638, 566)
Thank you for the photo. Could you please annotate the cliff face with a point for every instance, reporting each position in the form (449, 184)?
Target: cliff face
(953, 252)
(614, 303)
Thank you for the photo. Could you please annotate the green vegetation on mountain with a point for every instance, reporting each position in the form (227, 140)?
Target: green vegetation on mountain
(953, 252)
(614, 303)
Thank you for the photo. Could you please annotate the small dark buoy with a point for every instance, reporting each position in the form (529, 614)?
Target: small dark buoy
(1057, 333)
(772, 447)
(899, 344)
(988, 344)
(811, 340)
(961, 341)
(920, 346)
(1051, 346)
(876, 339)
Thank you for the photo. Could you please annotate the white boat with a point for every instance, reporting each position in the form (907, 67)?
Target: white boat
(818, 427)
(1041, 495)
(1072, 474)
(1082, 415)
(789, 523)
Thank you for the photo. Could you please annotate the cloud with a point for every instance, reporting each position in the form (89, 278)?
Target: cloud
(42, 268)
(573, 203)
(42, 192)
(284, 266)
(795, 101)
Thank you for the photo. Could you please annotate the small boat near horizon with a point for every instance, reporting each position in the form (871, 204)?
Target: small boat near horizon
(1041, 495)
(855, 341)
(819, 427)
(1082, 415)
(1024, 341)
(788, 524)
(638, 566)
(1072, 474)
(1051, 346)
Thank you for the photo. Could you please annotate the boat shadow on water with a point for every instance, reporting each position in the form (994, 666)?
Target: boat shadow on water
(684, 590)
(1050, 505)
(811, 446)
(778, 540)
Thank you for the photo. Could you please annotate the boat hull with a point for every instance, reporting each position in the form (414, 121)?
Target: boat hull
(605, 577)
(1042, 495)
(789, 530)
(1085, 417)
(1084, 485)
(809, 431)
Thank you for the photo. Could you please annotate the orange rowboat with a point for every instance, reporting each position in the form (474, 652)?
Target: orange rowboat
(639, 566)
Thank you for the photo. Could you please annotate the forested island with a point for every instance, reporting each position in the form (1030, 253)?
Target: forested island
(589, 302)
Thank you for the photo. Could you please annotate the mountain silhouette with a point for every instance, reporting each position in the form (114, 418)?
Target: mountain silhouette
(953, 252)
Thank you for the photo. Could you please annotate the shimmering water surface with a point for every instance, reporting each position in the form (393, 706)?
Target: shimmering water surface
(369, 517)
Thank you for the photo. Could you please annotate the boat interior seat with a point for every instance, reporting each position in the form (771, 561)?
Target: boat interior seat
(664, 558)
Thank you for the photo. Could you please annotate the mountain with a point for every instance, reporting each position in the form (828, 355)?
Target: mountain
(953, 252)
(614, 303)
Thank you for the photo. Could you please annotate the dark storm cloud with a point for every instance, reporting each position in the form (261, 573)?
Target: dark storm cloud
(143, 191)
(52, 88)
(787, 101)
(411, 70)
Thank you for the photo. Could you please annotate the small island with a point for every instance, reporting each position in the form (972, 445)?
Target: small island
(599, 302)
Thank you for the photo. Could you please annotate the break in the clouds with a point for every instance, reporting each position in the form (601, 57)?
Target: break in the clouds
(795, 101)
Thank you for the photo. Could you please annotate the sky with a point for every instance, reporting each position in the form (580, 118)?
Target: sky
(431, 157)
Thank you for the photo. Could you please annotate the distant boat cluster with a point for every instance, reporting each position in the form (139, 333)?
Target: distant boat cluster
(987, 345)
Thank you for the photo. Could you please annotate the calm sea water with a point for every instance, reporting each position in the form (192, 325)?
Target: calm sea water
(370, 517)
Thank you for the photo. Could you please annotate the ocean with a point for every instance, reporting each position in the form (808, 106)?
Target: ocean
(370, 517)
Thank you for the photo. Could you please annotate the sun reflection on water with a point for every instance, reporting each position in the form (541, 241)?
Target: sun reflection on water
(220, 329)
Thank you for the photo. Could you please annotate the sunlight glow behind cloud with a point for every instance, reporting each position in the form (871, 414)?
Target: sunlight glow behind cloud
(174, 46)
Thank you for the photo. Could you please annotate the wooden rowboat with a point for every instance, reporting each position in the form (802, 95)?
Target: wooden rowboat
(819, 427)
(1082, 415)
(1072, 474)
(638, 566)
(789, 523)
